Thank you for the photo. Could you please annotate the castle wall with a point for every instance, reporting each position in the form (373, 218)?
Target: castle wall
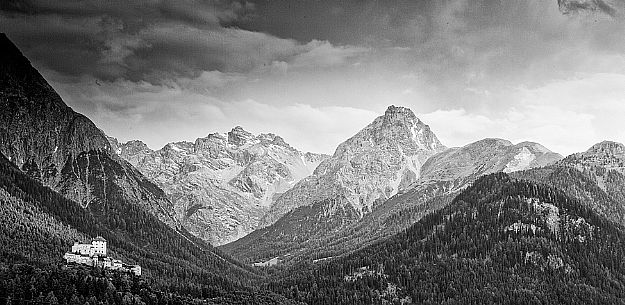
(95, 255)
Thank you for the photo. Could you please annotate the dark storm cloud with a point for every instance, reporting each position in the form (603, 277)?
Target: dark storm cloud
(610, 7)
(168, 70)
(139, 40)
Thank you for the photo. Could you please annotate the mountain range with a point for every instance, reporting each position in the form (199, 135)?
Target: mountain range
(222, 185)
(393, 216)
(331, 226)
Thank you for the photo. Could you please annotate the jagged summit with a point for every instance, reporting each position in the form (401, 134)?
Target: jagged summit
(137, 143)
(398, 126)
(398, 112)
(222, 184)
(373, 165)
(239, 136)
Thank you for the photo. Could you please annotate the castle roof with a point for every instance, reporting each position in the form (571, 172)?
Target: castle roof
(99, 238)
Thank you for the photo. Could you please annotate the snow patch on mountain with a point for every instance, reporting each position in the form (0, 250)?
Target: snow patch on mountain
(521, 161)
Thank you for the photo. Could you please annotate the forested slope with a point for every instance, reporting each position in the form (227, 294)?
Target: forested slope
(42, 225)
(500, 241)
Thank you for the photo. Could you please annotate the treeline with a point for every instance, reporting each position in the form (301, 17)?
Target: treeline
(501, 241)
(602, 190)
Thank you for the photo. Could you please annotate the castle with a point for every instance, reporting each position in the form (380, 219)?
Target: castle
(94, 255)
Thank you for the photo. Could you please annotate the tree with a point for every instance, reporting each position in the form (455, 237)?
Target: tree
(51, 298)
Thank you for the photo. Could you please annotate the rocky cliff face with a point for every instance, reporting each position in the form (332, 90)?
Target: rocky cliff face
(373, 165)
(62, 148)
(221, 185)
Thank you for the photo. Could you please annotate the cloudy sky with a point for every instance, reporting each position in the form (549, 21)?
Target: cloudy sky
(317, 71)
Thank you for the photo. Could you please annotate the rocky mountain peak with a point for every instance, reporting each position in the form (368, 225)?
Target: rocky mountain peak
(222, 184)
(397, 113)
(273, 139)
(216, 136)
(376, 163)
(136, 144)
(398, 129)
(607, 147)
(238, 136)
(607, 154)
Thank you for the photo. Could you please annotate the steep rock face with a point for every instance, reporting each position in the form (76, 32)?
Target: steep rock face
(61, 148)
(221, 185)
(373, 165)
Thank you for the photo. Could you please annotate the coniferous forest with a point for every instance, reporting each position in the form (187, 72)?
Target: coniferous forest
(502, 241)
(39, 225)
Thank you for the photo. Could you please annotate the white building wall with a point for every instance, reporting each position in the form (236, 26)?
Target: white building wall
(94, 254)
(99, 247)
(96, 248)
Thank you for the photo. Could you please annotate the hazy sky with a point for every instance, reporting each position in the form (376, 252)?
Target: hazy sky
(316, 72)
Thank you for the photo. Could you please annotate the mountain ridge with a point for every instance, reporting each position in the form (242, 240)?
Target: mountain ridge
(444, 175)
(222, 184)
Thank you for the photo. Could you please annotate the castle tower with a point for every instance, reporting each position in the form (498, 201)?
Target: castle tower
(99, 246)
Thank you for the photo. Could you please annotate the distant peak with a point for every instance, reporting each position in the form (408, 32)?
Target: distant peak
(393, 112)
(535, 146)
(274, 139)
(607, 146)
(216, 135)
(493, 141)
(239, 136)
(136, 143)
